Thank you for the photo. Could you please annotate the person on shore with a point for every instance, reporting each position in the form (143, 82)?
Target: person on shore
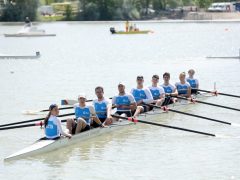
(142, 97)
(124, 102)
(169, 89)
(27, 22)
(53, 127)
(127, 26)
(157, 91)
(183, 87)
(131, 27)
(103, 106)
(192, 81)
(85, 116)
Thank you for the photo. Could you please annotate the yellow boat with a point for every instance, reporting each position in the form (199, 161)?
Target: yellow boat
(113, 31)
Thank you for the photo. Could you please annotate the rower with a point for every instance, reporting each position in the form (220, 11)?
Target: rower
(183, 87)
(169, 89)
(142, 96)
(124, 102)
(53, 127)
(192, 81)
(84, 116)
(27, 22)
(103, 106)
(157, 91)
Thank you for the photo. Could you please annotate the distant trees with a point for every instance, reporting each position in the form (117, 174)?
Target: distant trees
(17, 10)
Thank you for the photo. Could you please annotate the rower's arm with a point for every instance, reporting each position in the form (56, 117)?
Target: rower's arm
(175, 92)
(197, 84)
(133, 104)
(189, 92)
(94, 115)
(109, 110)
(149, 96)
(162, 93)
(61, 130)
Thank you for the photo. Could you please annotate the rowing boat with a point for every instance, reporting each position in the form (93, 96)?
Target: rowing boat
(223, 57)
(113, 31)
(29, 35)
(44, 146)
(20, 56)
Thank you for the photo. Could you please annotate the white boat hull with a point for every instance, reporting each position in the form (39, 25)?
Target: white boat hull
(20, 56)
(29, 35)
(44, 146)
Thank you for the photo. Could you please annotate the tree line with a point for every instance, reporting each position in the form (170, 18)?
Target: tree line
(17, 10)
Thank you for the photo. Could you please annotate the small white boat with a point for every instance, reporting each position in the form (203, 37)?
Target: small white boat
(37, 55)
(44, 146)
(29, 32)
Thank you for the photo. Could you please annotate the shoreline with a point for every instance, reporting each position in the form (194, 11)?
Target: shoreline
(137, 21)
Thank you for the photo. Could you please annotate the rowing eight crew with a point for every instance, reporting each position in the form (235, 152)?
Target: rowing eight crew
(127, 104)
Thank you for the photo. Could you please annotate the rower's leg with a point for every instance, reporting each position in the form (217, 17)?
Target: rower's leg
(70, 125)
(159, 102)
(138, 111)
(81, 124)
(96, 120)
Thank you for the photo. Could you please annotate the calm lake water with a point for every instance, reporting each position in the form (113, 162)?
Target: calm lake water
(85, 55)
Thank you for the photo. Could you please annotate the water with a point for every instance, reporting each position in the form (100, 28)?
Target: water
(85, 55)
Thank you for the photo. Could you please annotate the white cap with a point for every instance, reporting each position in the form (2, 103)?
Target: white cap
(82, 95)
(121, 83)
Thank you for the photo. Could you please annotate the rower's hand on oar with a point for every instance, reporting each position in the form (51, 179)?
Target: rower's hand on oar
(69, 136)
(108, 121)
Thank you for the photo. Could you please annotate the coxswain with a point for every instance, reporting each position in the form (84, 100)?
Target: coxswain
(53, 127)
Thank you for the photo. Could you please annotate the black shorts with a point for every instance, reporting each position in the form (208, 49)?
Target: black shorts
(168, 100)
(85, 129)
(128, 113)
(147, 108)
(95, 125)
(194, 91)
(102, 119)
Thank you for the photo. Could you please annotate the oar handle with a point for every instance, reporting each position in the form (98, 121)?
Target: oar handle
(207, 103)
(23, 126)
(33, 120)
(163, 125)
(62, 108)
(70, 107)
(164, 108)
(218, 93)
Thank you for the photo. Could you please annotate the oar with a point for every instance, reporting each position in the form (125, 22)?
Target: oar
(41, 123)
(215, 92)
(163, 125)
(164, 108)
(202, 102)
(46, 110)
(33, 120)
